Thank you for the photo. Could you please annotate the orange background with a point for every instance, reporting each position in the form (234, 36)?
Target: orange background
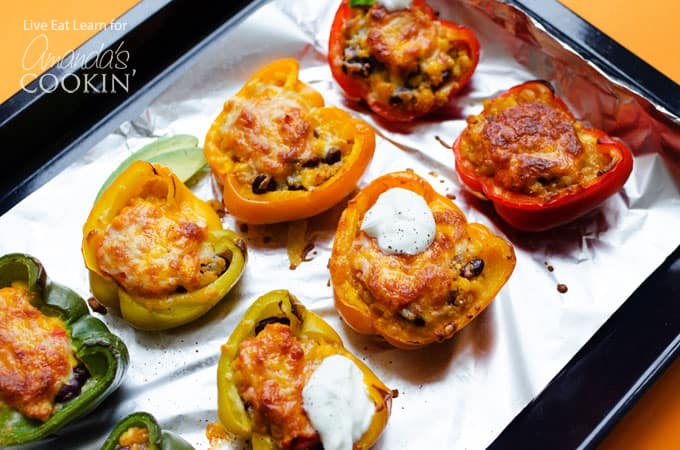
(649, 29)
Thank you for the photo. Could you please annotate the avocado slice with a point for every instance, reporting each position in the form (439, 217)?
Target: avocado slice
(155, 148)
(184, 162)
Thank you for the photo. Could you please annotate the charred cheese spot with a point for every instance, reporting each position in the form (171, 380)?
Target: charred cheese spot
(36, 358)
(425, 294)
(134, 438)
(277, 142)
(270, 373)
(405, 59)
(154, 248)
(528, 146)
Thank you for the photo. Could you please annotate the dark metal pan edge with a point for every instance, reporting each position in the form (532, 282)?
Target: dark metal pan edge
(609, 373)
(19, 115)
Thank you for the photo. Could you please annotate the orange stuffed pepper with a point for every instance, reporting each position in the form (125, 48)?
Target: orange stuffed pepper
(281, 154)
(406, 265)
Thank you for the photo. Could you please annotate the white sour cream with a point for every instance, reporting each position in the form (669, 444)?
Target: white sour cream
(394, 5)
(337, 403)
(401, 222)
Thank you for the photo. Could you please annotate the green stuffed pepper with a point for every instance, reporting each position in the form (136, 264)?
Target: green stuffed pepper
(140, 430)
(57, 362)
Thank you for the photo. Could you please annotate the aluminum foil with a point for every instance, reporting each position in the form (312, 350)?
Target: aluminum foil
(459, 394)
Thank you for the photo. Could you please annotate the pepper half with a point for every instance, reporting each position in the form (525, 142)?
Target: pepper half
(102, 354)
(280, 154)
(414, 300)
(146, 311)
(535, 162)
(403, 63)
(282, 307)
(144, 425)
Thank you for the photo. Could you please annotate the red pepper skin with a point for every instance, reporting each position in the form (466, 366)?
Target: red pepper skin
(356, 89)
(528, 213)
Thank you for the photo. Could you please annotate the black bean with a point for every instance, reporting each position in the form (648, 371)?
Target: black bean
(81, 374)
(333, 156)
(414, 79)
(263, 183)
(412, 317)
(264, 322)
(472, 269)
(67, 392)
(312, 162)
(396, 100)
(446, 76)
(451, 299)
(362, 67)
(257, 189)
(295, 187)
(72, 389)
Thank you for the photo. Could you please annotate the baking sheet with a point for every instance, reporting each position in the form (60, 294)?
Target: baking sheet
(459, 394)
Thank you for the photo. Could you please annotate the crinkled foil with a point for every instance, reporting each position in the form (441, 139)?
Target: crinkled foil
(459, 394)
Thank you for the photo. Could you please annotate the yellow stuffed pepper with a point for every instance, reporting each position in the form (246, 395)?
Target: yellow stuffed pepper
(280, 368)
(157, 251)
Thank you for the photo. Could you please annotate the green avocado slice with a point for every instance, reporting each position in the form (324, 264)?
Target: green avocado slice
(152, 150)
(184, 162)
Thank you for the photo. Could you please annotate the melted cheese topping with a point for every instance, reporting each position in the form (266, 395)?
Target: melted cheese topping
(406, 60)
(36, 358)
(270, 373)
(527, 146)
(154, 248)
(424, 294)
(276, 141)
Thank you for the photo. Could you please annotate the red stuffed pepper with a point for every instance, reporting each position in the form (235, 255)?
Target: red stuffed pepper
(404, 63)
(538, 165)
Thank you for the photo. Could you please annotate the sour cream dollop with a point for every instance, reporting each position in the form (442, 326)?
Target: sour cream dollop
(337, 403)
(401, 222)
(394, 5)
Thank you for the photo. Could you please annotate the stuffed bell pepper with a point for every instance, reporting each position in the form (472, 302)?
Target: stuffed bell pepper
(282, 155)
(286, 381)
(157, 251)
(140, 431)
(406, 265)
(398, 57)
(539, 166)
(57, 363)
